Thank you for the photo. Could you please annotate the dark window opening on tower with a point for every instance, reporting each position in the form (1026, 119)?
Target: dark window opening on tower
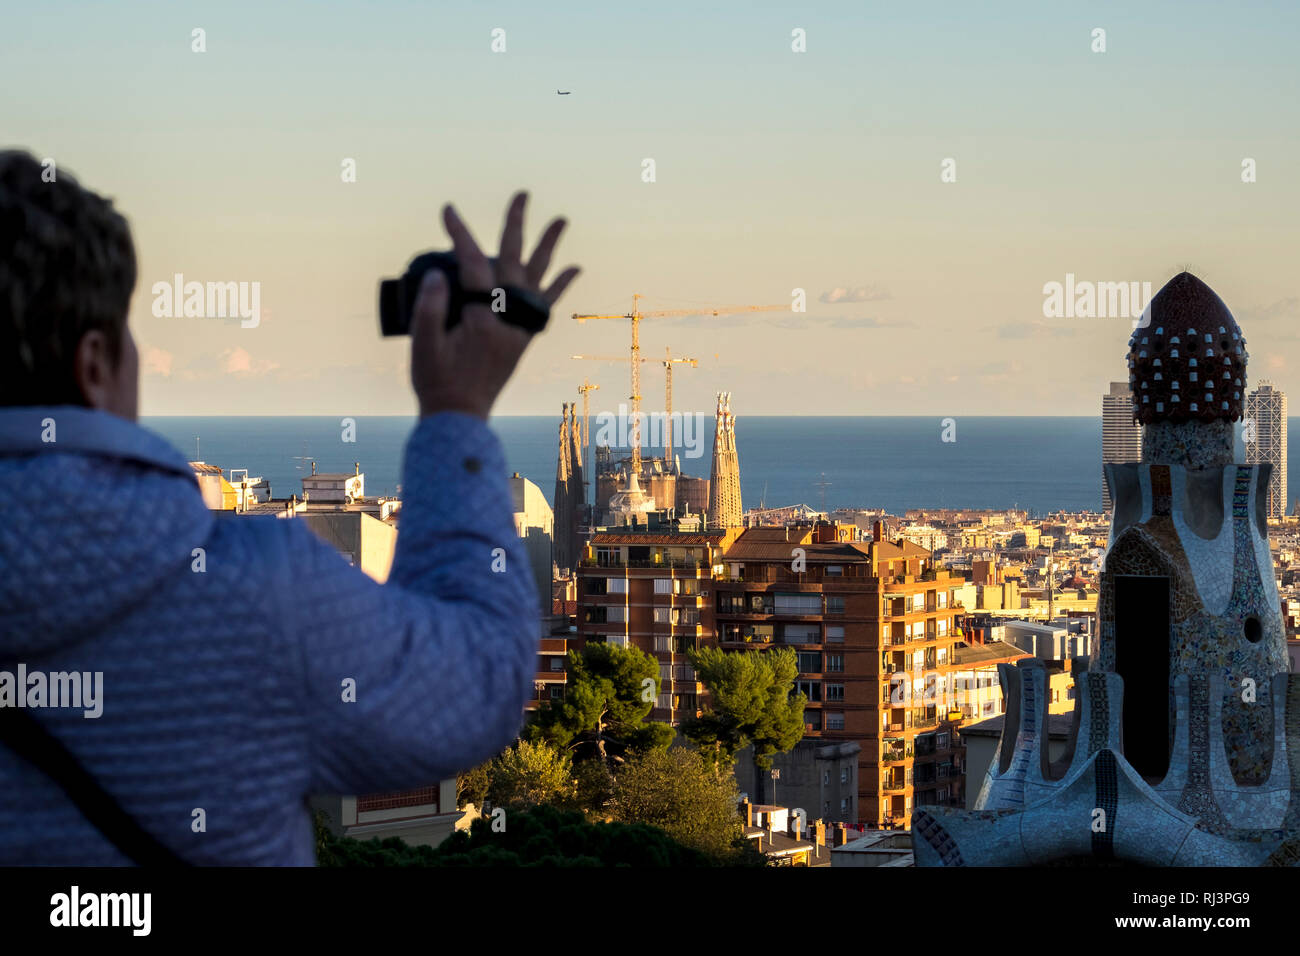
(1253, 629)
(1142, 659)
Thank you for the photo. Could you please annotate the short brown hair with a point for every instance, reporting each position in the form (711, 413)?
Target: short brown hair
(67, 266)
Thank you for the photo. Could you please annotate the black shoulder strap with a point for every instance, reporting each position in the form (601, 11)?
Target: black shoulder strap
(22, 734)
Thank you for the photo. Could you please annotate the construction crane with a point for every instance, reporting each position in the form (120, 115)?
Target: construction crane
(636, 316)
(667, 362)
(585, 390)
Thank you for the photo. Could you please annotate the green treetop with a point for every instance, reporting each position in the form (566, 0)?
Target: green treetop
(751, 701)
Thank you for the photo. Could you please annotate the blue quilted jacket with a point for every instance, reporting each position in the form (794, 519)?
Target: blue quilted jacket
(224, 689)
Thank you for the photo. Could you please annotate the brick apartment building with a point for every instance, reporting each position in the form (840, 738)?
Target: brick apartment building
(880, 657)
(653, 592)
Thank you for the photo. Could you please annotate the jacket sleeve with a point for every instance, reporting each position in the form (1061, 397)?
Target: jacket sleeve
(406, 683)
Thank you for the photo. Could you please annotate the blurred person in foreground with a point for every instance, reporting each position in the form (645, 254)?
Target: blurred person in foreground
(225, 690)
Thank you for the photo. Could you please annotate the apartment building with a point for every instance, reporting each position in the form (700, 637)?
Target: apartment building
(872, 623)
(653, 591)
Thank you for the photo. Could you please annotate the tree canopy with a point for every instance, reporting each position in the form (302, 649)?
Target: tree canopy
(677, 791)
(529, 774)
(610, 692)
(541, 837)
(751, 701)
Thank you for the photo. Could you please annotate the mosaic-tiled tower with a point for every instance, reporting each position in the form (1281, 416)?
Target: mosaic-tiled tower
(1185, 748)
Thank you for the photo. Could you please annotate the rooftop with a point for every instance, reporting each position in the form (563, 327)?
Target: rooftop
(642, 537)
(986, 653)
(756, 545)
(1058, 726)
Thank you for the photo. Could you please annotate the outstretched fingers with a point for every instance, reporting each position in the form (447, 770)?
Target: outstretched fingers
(475, 270)
(560, 284)
(541, 258)
(509, 269)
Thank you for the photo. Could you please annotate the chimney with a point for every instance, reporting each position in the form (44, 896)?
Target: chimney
(748, 809)
(841, 834)
(819, 832)
(313, 467)
(877, 531)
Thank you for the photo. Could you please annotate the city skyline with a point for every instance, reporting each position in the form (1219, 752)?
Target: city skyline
(823, 173)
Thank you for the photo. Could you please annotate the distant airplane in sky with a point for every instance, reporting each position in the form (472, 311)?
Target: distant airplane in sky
(564, 92)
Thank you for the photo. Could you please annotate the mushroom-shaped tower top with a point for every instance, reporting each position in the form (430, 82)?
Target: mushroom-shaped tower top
(1187, 360)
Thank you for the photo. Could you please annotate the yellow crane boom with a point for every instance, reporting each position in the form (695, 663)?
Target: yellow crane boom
(635, 316)
(667, 362)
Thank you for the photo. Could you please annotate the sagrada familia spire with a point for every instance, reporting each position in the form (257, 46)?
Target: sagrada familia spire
(724, 478)
(1185, 748)
(570, 497)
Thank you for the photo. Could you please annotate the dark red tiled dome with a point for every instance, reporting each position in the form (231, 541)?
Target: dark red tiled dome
(1188, 361)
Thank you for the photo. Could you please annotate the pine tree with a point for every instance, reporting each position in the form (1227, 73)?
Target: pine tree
(751, 701)
(609, 695)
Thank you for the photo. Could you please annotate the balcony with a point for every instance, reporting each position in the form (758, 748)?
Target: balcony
(856, 577)
(691, 565)
(398, 800)
(735, 635)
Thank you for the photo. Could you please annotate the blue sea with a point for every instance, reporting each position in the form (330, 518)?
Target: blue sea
(1039, 464)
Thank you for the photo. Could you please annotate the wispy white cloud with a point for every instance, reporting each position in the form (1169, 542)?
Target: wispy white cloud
(1028, 330)
(239, 363)
(156, 361)
(862, 293)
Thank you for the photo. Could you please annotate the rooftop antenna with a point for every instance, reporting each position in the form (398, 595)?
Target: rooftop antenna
(822, 485)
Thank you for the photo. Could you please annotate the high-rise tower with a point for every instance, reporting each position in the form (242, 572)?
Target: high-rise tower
(1264, 437)
(724, 478)
(1121, 436)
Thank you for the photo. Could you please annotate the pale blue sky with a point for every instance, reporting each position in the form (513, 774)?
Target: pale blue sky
(775, 170)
